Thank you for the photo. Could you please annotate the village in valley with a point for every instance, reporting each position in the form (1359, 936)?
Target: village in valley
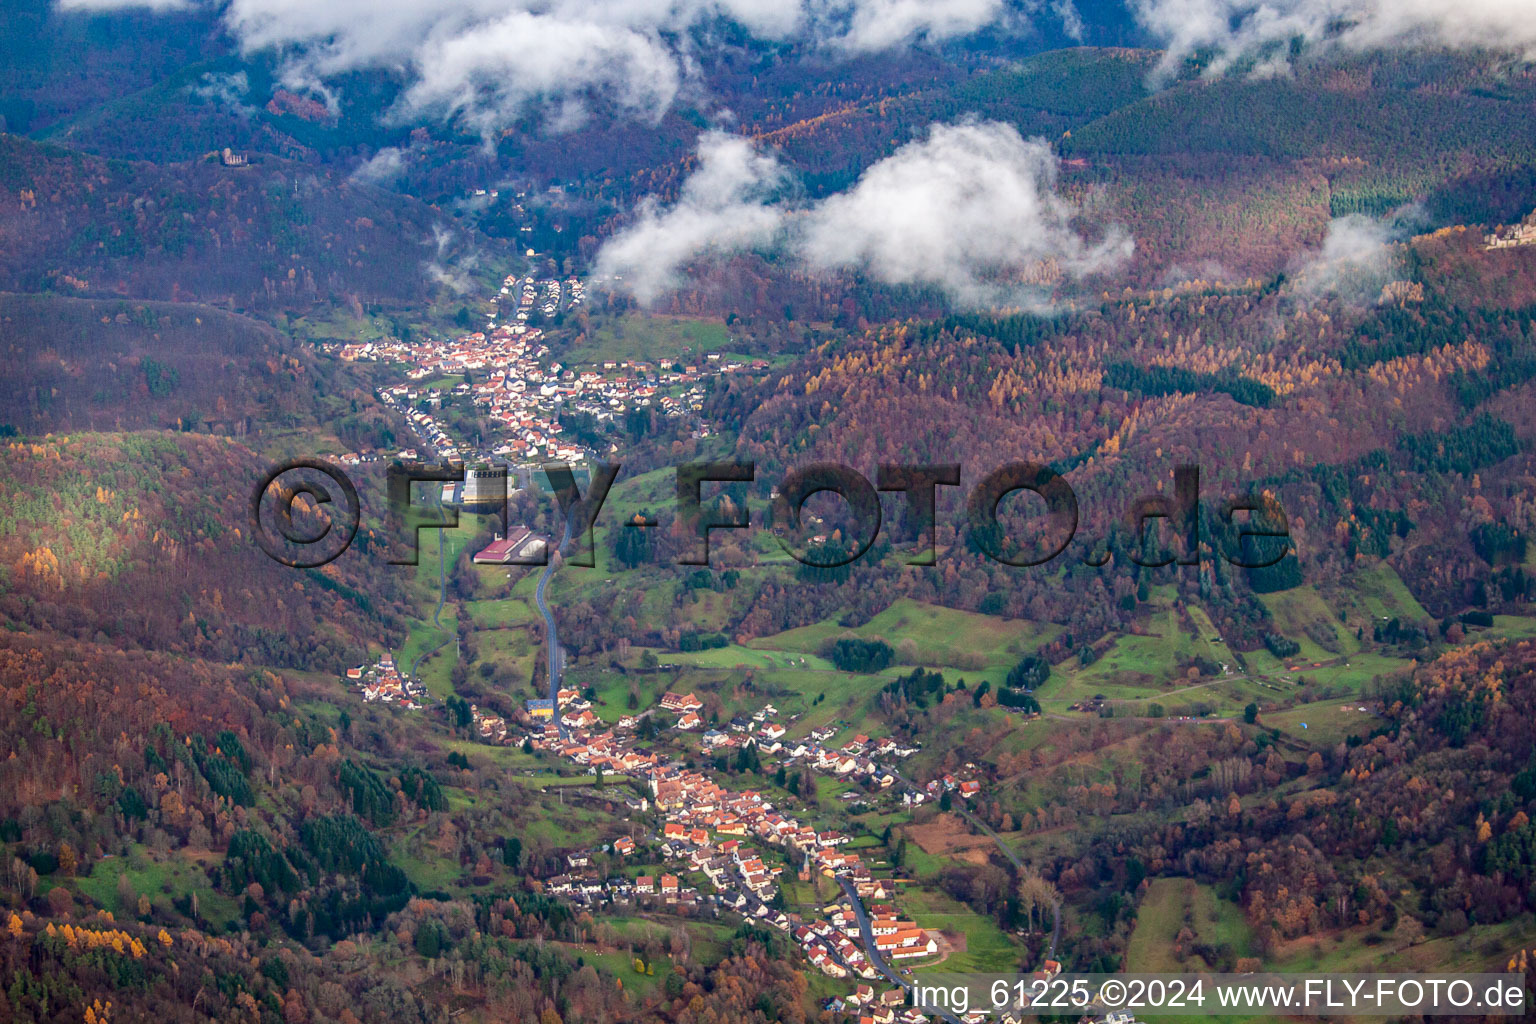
(697, 847)
(855, 512)
(506, 370)
(716, 834)
(721, 850)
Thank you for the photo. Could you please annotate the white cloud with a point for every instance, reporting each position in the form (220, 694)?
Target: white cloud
(487, 75)
(453, 270)
(873, 25)
(972, 209)
(1359, 256)
(228, 89)
(488, 61)
(725, 206)
(381, 168)
(112, 5)
(1265, 28)
(1071, 20)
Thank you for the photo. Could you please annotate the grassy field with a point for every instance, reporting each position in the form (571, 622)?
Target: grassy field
(651, 338)
(963, 645)
(919, 863)
(513, 649)
(813, 696)
(1216, 648)
(1302, 615)
(1481, 948)
(1172, 904)
(621, 965)
(1133, 667)
(1349, 674)
(1514, 627)
(988, 949)
(428, 873)
(435, 671)
(651, 593)
(612, 692)
(1151, 665)
(501, 612)
(1147, 665)
(507, 758)
(1384, 594)
(1327, 722)
(161, 879)
(452, 542)
(735, 656)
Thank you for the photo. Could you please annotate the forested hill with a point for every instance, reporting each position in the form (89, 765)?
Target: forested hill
(1401, 431)
(268, 235)
(121, 365)
(142, 541)
(1438, 798)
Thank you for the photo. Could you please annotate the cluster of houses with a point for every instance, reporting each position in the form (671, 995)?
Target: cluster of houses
(357, 458)
(663, 890)
(722, 834)
(711, 830)
(886, 1007)
(515, 384)
(854, 761)
(686, 707)
(895, 938)
(580, 742)
(575, 714)
(610, 389)
(964, 788)
(530, 293)
(759, 730)
(576, 711)
(383, 682)
(489, 726)
(715, 832)
(510, 383)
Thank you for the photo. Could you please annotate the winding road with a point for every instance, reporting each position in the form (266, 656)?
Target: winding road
(867, 933)
(553, 655)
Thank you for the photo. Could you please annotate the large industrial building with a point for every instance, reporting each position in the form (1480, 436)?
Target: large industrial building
(520, 547)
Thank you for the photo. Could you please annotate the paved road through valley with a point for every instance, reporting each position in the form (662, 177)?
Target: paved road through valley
(867, 933)
(551, 637)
